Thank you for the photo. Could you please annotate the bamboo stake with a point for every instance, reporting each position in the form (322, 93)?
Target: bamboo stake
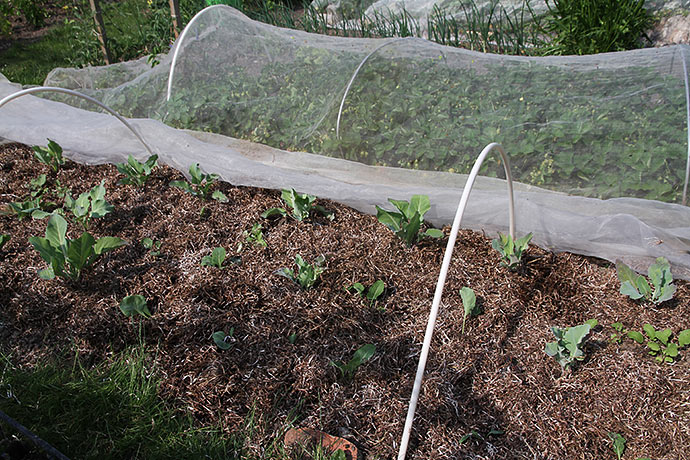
(100, 28)
(175, 14)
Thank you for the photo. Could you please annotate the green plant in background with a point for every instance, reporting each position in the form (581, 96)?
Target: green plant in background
(153, 246)
(306, 274)
(511, 251)
(595, 26)
(373, 293)
(621, 333)
(51, 155)
(4, 238)
(636, 286)
(221, 339)
(200, 185)
(361, 356)
(618, 444)
(469, 303)
(66, 257)
(566, 349)
(89, 205)
(407, 222)
(255, 236)
(136, 172)
(301, 204)
(134, 305)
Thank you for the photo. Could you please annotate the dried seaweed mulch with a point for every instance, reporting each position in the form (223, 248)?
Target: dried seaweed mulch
(494, 379)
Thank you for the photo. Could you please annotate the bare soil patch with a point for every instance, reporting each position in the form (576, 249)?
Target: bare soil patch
(495, 379)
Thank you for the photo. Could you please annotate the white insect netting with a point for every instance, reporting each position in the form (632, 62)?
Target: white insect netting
(599, 144)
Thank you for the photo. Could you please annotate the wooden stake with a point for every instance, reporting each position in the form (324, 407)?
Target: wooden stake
(100, 28)
(175, 14)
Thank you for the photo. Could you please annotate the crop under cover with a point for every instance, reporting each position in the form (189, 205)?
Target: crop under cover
(599, 143)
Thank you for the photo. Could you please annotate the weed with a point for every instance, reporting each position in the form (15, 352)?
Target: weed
(618, 444)
(373, 293)
(153, 246)
(222, 340)
(255, 236)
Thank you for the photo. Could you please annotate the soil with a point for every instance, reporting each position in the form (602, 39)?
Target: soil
(494, 379)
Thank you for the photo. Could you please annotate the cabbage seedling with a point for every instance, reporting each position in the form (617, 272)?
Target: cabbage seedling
(89, 205)
(362, 355)
(136, 172)
(566, 349)
(217, 258)
(621, 333)
(67, 258)
(469, 303)
(373, 293)
(135, 305)
(618, 444)
(306, 274)
(152, 246)
(511, 251)
(636, 286)
(220, 338)
(407, 222)
(302, 206)
(51, 156)
(659, 344)
(254, 236)
(201, 185)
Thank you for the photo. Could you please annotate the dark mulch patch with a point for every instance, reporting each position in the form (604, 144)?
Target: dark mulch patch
(495, 377)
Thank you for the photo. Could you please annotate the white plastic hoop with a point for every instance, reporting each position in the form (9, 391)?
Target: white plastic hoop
(41, 89)
(442, 280)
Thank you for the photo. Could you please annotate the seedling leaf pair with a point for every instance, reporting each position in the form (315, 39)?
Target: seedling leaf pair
(511, 251)
(362, 355)
(636, 286)
(301, 204)
(217, 257)
(373, 293)
(408, 220)
(566, 349)
(220, 338)
(89, 205)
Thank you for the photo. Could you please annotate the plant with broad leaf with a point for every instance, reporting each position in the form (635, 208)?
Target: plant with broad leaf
(255, 236)
(201, 184)
(622, 332)
(636, 286)
(33, 204)
(301, 204)
(222, 340)
(407, 222)
(618, 444)
(372, 294)
(136, 172)
(306, 274)
(68, 257)
(469, 303)
(134, 305)
(566, 349)
(50, 155)
(362, 355)
(511, 250)
(89, 205)
(660, 344)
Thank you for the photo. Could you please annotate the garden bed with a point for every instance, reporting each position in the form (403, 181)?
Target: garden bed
(494, 379)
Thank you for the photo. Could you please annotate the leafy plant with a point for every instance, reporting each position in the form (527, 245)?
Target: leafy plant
(636, 286)
(66, 257)
(566, 349)
(361, 356)
(511, 251)
(469, 303)
(51, 156)
(254, 236)
(134, 305)
(201, 185)
(153, 246)
(373, 293)
(302, 206)
(660, 344)
(136, 172)
(216, 258)
(220, 338)
(89, 205)
(33, 204)
(407, 222)
(4, 238)
(307, 274)
(618, 444)
(621, 333)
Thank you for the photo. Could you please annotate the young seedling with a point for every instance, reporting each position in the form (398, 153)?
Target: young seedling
(660, 345)
(306, 274)
(4, 239)
(217, 258)
(618, 444)
(33, 204)
(566, 349)
(136, 172)
(407, 222)
(636, 286)
(301, 204)
(67, 258)
(255, 236)
(511, 251)
(362, 355)
(134, 305)
(153, 246)
(89, 205)
(621, 333)
(201, 185)
(469, 302)
(51, 156)
(221, 339)
(373, 293)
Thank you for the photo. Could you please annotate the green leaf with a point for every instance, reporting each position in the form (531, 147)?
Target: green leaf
(663, 336)
(4, 239)
(469, 300)
(650, 331)
(576, 334)
(219, 338)
(629, 289)
(197, 175)
(684, 338)
(419, 204)
(183, 185)
(56, 230)
(100, 208)
(219, 196)
(592, 323)
(392, 220)
(216, 258)
(273, 212)
(666, 293)
(107, 243)
(434, 233)
(359, 287)
(46, 274)
(654, 346)
(618, 326)
(618, 444)
(671, 350)
(135, 304)
(375, 290)
(79, 251)
(636, 336)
